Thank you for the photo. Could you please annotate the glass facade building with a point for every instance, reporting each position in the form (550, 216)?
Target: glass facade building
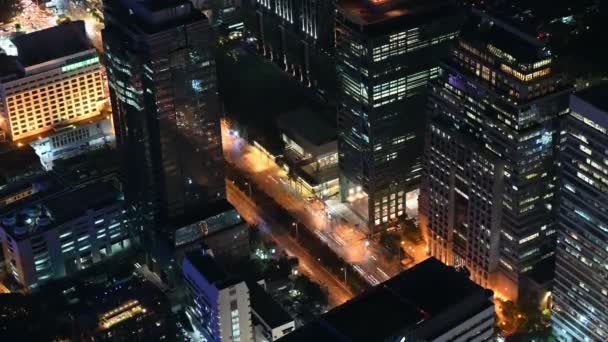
(489, 187)
(581, 277)
(386, 55)
(298, 36)
(162, 79)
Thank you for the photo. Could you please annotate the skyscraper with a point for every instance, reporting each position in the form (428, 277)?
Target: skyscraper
(162, 78)
(298, 36)
(386, 53)
(581, 283)
(489, 181)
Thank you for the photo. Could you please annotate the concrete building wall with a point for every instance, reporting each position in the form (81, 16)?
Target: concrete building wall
(58, 91)
(235, 314)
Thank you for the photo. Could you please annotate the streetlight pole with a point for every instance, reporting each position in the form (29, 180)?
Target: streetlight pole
(295, 224)
(249, 186)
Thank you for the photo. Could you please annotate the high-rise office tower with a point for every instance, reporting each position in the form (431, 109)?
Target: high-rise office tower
(581, 281)
(162, 78)
(49, 84)
(225, 16)
(386, 52)
(489, 182)
(298, 36)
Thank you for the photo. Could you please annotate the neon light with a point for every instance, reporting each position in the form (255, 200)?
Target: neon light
(80, 64)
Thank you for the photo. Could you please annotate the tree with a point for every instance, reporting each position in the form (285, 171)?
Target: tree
(255, 236)
(392, 241)
(412, 232)
(311, 291)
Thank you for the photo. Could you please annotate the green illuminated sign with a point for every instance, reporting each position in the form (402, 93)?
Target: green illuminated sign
(80, 64)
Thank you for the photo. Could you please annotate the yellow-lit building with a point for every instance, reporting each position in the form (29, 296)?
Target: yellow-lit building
(56, 78)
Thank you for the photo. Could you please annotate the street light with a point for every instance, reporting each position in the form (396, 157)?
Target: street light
(249, 186)
(344, 269)
(295, 224)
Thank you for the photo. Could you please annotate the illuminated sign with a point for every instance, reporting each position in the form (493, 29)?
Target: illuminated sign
(80, 64)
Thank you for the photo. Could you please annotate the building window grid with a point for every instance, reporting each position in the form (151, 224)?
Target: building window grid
(89, 93)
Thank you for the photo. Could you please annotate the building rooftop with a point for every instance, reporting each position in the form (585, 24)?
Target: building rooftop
(597, 96)
(313, 177)
(206, 211)
(91, 166)
(308, 125)
(9, 66)
(159, 5)
(399, 304)
(76, 202)
(206, 265)
(369, 14)
(17, 162)
(48, 210)
(535, 15)
(152, 16)
(52, 43)
(102, 306)
(266, 307)
(511, 37)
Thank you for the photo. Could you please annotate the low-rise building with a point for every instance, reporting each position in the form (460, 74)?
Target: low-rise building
(311, 152)
(129, 310)
(429, 302)
(218, 227)
(270, 320)
(20, 165)
(100, 165)
(66, 141)
(58, 234)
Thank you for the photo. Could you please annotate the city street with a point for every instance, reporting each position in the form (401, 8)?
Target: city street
(337, 230)
(338, 293)
(33, 18)
(82, 11)
(4, 289)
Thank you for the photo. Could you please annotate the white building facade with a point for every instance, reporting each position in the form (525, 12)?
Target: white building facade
(72, 140)
(63, 234)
